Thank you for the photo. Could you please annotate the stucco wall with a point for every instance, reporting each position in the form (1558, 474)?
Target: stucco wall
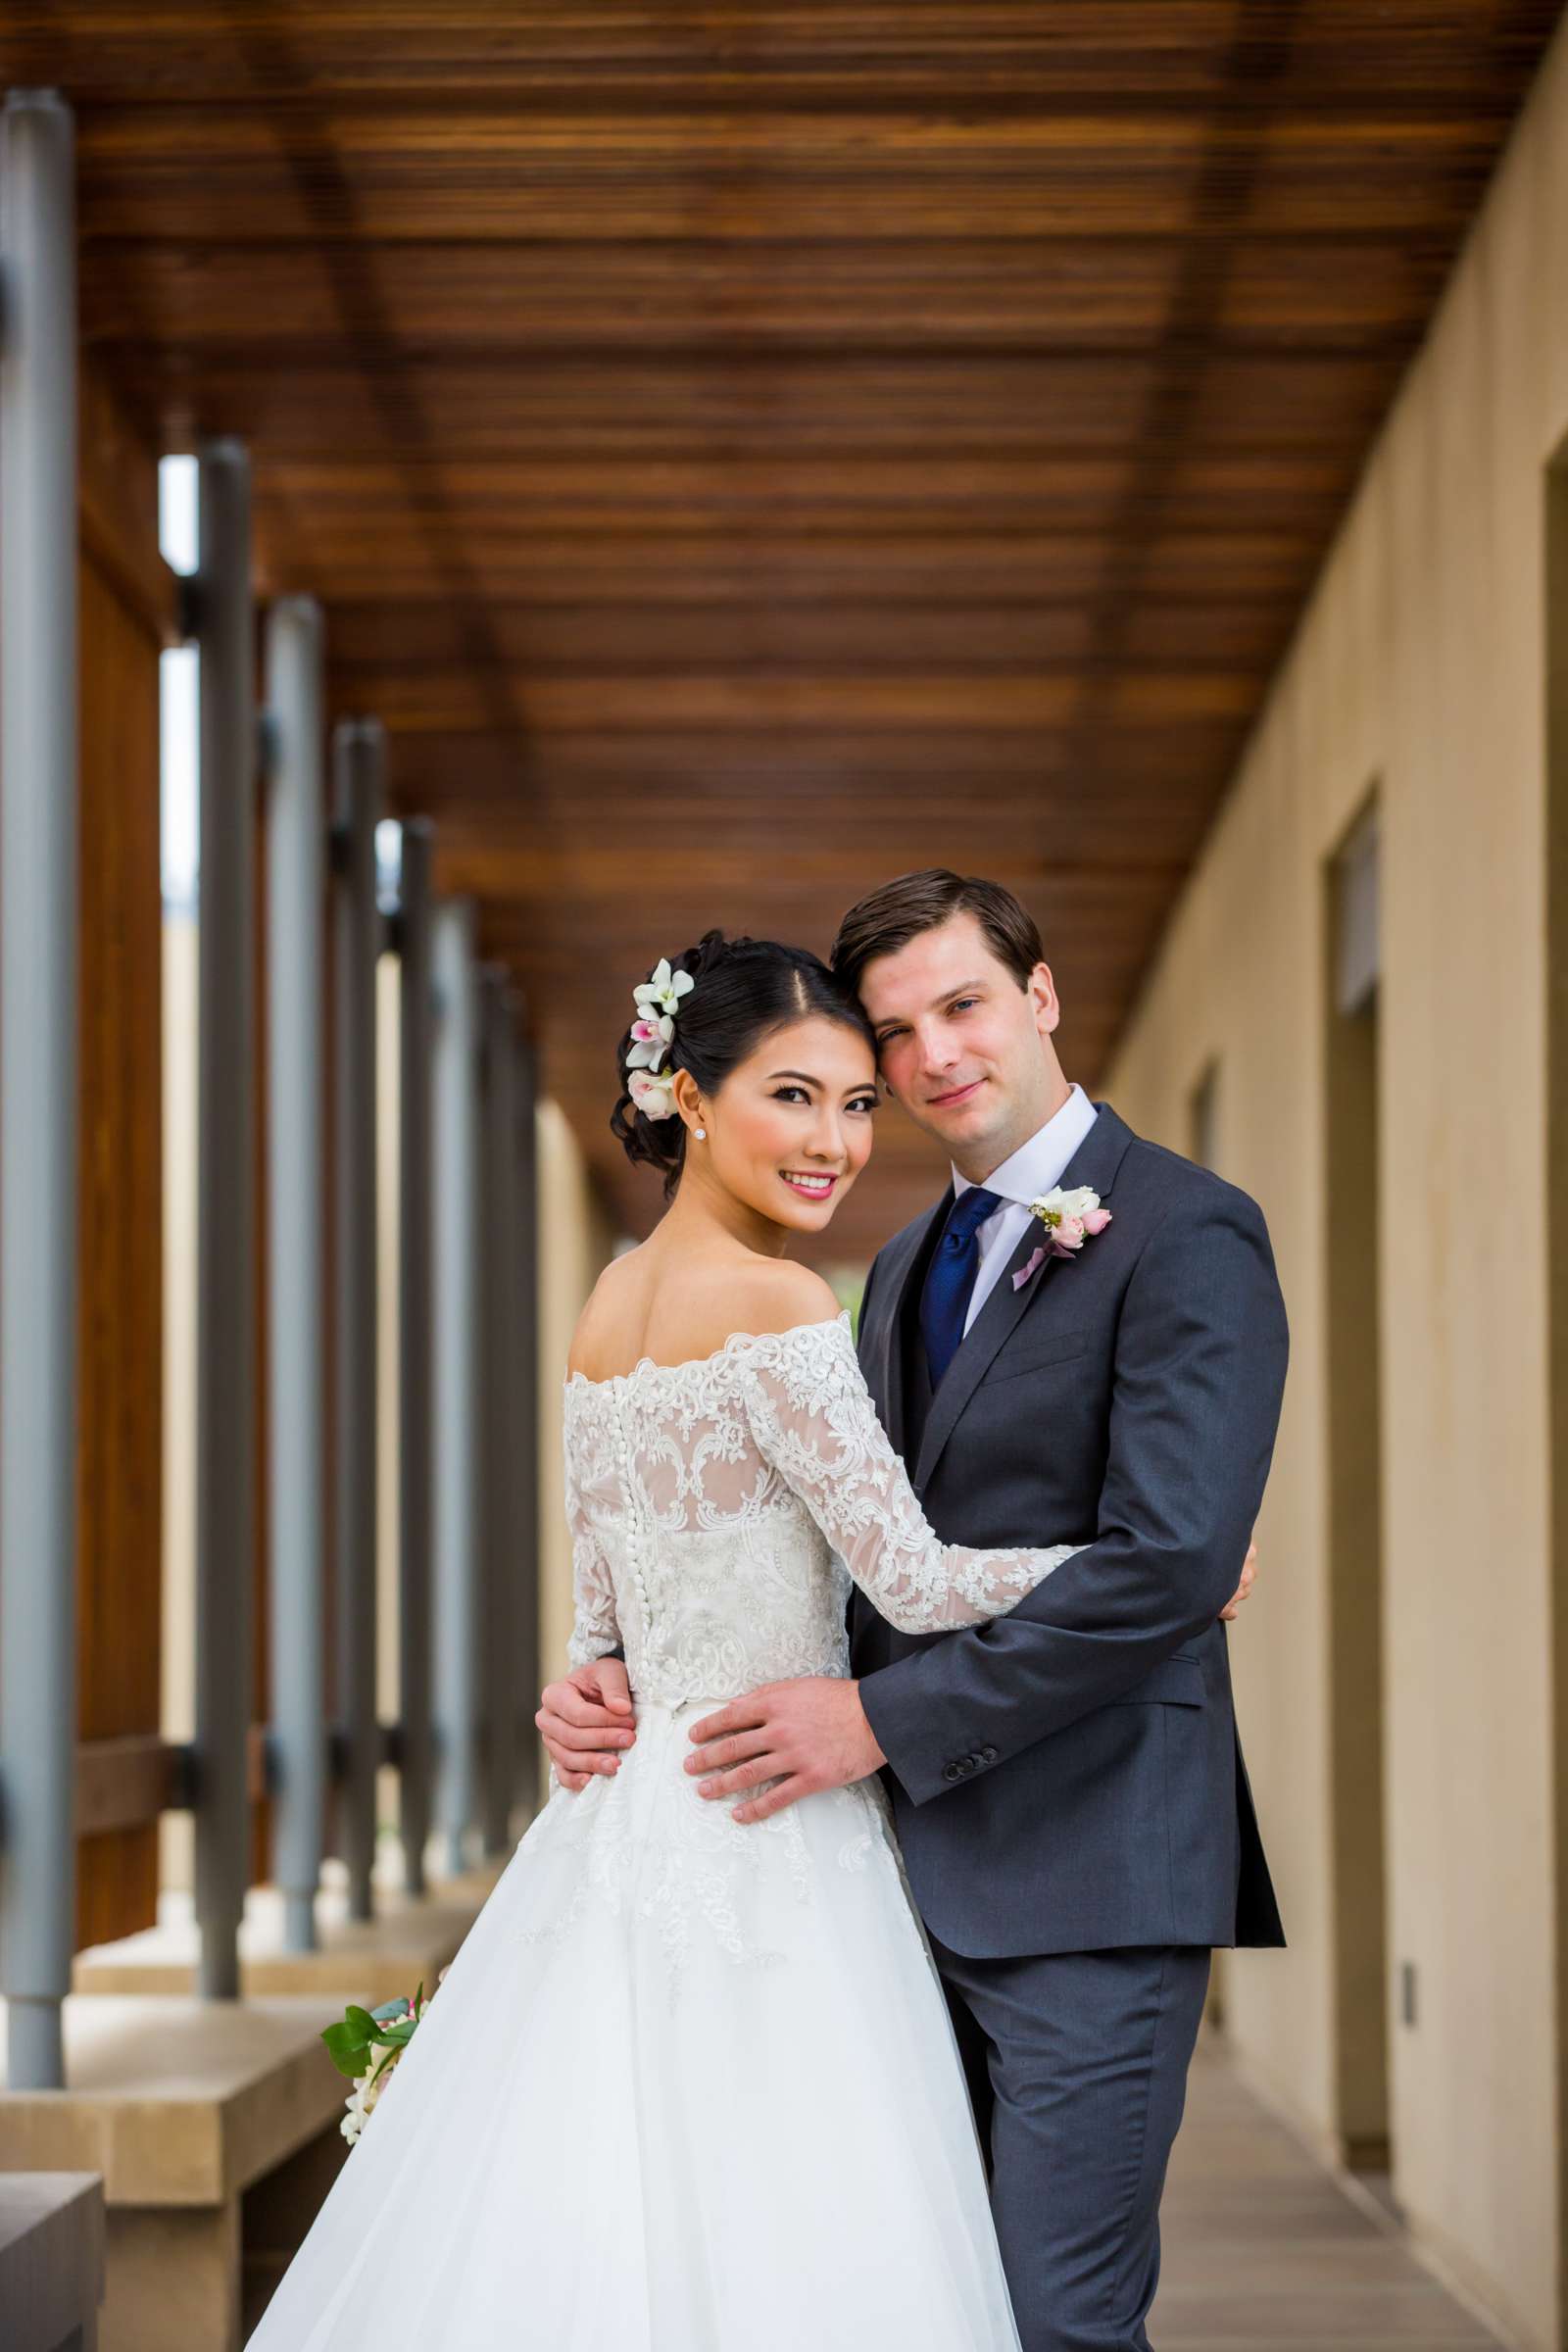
(1417, 671)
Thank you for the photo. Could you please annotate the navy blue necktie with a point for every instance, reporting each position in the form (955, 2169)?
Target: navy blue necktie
(950, 1278)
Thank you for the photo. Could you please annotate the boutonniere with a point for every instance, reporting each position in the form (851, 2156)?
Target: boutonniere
(1068, 1219)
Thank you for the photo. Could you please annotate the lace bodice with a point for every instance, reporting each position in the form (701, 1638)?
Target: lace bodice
(719, 1507)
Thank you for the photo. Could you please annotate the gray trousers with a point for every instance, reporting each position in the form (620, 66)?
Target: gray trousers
(1077, 2070)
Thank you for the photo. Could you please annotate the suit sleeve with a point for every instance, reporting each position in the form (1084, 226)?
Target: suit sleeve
(1197, 1378)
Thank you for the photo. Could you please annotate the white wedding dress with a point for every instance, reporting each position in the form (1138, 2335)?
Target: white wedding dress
(688, 2084)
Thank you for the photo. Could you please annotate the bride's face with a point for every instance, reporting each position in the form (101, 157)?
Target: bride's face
(790, 1129)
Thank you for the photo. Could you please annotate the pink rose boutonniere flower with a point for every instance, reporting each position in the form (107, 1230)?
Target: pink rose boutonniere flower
(1069, 1219)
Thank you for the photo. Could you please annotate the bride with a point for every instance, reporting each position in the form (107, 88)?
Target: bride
(689, 2084)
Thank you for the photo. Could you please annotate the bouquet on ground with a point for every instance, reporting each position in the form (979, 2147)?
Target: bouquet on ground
(367, 2045)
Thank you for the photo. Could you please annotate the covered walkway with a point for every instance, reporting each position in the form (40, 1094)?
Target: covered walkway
(570, 474)
(1266, 2251)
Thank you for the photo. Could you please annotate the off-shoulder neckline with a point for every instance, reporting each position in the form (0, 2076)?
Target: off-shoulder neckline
(736, 1340)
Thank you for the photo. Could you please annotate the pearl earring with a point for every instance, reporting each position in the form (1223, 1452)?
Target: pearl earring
(701, 1133)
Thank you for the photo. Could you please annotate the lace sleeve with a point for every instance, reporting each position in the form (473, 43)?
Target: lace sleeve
(595, 1631)
(813, 1419)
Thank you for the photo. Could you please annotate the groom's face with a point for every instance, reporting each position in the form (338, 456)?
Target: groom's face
(961, 1043)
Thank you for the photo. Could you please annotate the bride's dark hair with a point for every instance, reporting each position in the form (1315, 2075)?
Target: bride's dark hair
(743, 990)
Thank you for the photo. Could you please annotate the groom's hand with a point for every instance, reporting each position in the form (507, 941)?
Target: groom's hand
(586, 1721)
(1232, 1607)
(807, 1735)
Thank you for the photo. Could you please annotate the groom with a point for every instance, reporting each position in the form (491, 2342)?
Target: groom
(1068, 1785)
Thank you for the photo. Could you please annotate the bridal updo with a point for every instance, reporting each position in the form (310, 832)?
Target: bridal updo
(742, 990)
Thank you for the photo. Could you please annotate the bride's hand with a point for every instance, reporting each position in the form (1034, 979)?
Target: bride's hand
(1232, 1607)
(585, 1721)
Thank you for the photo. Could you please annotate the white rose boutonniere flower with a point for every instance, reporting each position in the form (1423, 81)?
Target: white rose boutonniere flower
(1069, 1219)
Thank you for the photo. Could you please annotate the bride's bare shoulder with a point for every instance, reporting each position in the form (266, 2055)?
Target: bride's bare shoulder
(674, 1313)
(775, 1295)
(612, 1301)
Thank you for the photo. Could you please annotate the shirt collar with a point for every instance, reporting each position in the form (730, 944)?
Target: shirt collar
(1039, 1164)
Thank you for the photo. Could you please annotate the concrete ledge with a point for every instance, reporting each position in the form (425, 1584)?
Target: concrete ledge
(176, 2102)
(410, 1939)
(51, 2261)
(179, 2104)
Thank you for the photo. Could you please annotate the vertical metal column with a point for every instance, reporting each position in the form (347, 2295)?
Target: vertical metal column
(225, 1301)
(498, 1402)
(39, 1080)
(525, 1451)
(359, 758)
(457, 1450)
(296, 876)
(416, 1440)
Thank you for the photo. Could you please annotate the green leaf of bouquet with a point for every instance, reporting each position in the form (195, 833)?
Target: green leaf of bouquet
(347, 2055)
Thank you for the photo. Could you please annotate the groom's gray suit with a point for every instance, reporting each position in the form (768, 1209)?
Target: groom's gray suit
(1067, 1780)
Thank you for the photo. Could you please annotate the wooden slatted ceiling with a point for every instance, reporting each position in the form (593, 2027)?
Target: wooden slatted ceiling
(748, 448)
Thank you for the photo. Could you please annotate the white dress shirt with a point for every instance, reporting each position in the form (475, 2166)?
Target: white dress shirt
(1034, 1169)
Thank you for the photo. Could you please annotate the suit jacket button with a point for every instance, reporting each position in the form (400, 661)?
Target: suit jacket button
(988, 1755)
(953, 1772)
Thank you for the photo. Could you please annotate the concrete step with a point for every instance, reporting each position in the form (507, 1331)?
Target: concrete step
(409, 1940)
(179, 2105)
(51, 2261)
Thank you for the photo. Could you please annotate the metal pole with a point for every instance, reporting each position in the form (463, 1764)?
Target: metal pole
(497, 1310)
(416, 1442)
(525, 1453)
(457, 1448)
(296, 875)
(225, 1307)
(359, 761)
(38, 1080)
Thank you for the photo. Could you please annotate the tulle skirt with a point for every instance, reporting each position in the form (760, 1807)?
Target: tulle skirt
(688, 2085)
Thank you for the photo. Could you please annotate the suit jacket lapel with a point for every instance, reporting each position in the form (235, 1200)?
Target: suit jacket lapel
(881, 1351)
(1094, 1163)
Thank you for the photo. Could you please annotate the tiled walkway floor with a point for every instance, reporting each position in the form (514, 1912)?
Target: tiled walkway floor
(1262, 2249)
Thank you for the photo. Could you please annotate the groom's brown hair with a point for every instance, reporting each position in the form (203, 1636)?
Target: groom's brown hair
(888, 918)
